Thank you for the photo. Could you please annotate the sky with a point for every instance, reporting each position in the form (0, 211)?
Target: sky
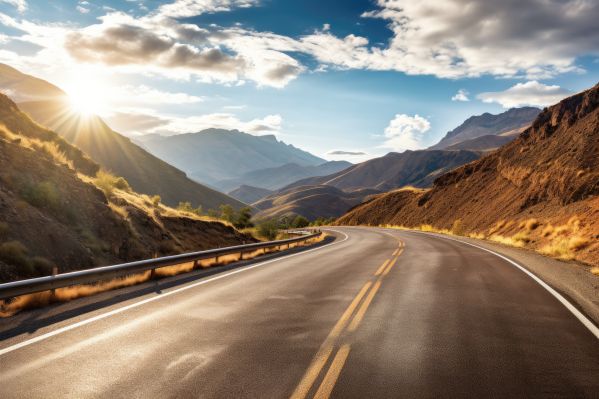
(342, 79)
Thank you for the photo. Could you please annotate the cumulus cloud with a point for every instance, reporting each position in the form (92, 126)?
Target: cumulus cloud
(456, 38)
(530, 93)
(405, 132)
(82, 9)
(177, 125)
(20, 5)
(461, 95)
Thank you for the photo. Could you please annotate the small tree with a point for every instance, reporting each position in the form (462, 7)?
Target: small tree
(227, 213)
(243, 219)
(299, 221)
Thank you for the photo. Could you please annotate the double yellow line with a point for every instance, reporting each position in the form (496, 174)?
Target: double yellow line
(326, 349)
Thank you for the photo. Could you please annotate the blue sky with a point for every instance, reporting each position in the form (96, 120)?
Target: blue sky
(358, 76)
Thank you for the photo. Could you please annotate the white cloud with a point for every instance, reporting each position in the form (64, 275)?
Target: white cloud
(190, 8)
(82, 9)
(461, 95)
(345, 152)
(136, 95)
(530, 93)
(21, 5)
(405, 132)
(457, 38)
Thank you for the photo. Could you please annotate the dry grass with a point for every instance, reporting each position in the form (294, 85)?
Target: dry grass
(51, 148)
(41, 299)
(595, 271)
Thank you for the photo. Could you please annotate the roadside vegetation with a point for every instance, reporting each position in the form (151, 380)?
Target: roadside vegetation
(561, 241)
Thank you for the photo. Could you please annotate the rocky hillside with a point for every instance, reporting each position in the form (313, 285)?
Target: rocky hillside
(488, 124)
(540, 191)
(53, 212)
(416, 168)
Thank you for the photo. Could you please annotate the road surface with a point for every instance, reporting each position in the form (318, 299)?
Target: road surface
(376, 313)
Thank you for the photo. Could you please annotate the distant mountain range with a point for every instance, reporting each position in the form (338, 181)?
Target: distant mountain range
(280, 176)
(488, 125)
(540, 191)
(113, 151)
(214, 155)
(416, 168)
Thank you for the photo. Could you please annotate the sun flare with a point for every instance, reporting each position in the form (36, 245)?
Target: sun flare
(87, 97)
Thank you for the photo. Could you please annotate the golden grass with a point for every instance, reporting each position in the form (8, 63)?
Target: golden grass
(595, 271)
(49, 147)
(41, 299)
(558, 249)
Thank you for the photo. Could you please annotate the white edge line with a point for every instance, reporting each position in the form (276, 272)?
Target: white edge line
(155, 298)
(577, 313)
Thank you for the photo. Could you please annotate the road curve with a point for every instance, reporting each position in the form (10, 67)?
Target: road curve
(378, 313)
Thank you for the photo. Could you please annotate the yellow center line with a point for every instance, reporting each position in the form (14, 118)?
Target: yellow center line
(326, 348)
(362, 311)
(395, 252)
(380, 269)
(328, 383)
(388, 269)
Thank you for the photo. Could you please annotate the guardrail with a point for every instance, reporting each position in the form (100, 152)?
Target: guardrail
(88, 276)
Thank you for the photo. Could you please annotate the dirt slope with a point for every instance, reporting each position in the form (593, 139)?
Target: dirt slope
(540, 191)
(51, 213)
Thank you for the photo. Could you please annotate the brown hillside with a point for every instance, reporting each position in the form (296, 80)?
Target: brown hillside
(51, 213)
(311, 202)
(540, 191)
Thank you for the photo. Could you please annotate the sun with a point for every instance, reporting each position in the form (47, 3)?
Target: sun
(87, 97)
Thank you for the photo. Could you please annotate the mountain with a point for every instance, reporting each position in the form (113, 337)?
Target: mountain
(280, 176)
(213, 155)
(540, 191)
(114, 152)
(311, 202)
(416, 168)
(249, 194)
(488, 124)
(53, 213)
(22, 87)
(483, 143)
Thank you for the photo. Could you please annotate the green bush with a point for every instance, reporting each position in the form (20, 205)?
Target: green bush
(41, 195)
(15, 253)
(299, 221)
(227, 213)
(187, 207)
(268, 229)
(41, 265)
(243, 218)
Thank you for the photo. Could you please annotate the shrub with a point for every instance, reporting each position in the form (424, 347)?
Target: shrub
(227, 213)
(15, 253)
(299, 221)
(41, 195)
(108, 182)
(268, 229)
(577, 243)
(243, 219)
(187, 207)
(42, 265)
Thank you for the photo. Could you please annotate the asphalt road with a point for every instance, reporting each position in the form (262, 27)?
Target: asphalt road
(376, 313)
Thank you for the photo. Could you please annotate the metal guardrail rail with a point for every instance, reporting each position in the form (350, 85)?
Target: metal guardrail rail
(89, 276)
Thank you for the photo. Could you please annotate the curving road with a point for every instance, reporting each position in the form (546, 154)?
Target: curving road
(376, 313)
